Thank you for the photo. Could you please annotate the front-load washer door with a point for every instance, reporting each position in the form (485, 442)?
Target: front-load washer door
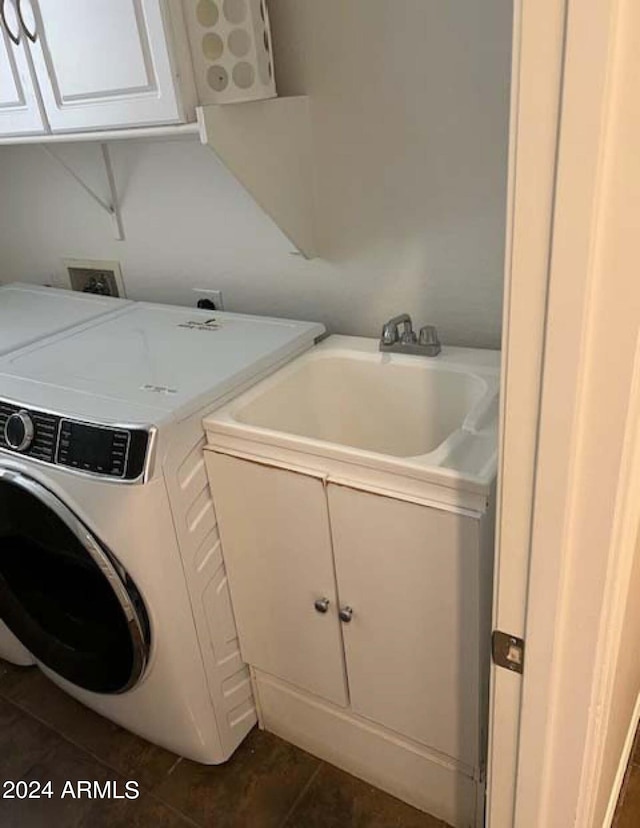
(64, 595)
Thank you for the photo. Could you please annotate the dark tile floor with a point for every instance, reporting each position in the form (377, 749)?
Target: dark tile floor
(47, 736)
(628, 810)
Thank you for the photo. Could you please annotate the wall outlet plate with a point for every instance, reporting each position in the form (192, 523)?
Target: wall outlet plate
(214, 296)
(94, 276)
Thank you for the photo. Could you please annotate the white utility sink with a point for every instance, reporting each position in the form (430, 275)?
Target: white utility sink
(432, 418)
(381, 404)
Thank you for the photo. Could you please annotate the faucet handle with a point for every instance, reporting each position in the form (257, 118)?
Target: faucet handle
(408, 337)
(429, 338)
(389, 334)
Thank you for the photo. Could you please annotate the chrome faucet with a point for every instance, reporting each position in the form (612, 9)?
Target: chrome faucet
(390, 330)
(425, 344)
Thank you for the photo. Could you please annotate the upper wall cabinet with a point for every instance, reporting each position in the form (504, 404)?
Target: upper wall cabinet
(103, 64)
(99, 69)
(93, 64)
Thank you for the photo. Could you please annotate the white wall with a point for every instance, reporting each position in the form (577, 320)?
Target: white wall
(410, 111)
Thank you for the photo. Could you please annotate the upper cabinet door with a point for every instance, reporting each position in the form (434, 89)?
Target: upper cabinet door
(20, 112)
(103, 63)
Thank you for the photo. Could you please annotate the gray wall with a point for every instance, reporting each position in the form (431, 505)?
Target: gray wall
(410, 125)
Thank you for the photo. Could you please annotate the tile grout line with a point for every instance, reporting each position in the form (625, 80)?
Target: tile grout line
(304, 790)
(175, 765)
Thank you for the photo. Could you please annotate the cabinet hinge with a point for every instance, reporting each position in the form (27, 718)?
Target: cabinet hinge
(507, 651)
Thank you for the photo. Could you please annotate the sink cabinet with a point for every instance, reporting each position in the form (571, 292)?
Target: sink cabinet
(274, 525)
(408, 671)
(411, 575)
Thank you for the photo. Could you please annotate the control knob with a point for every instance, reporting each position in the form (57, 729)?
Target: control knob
(18, 431)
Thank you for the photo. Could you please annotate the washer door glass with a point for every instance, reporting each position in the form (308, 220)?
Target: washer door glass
(62, 594)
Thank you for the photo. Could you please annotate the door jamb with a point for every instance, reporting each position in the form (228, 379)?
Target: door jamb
(539, 30)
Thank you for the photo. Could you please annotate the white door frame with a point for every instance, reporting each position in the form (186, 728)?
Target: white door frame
(538, 50)
(561, 503)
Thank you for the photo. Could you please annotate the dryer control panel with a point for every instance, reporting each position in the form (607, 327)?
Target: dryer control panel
(106, 450)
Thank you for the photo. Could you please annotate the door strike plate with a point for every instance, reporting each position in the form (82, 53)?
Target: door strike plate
(507, 651)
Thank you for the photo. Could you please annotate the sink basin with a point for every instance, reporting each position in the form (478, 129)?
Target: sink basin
(380, 404)
(431, 418)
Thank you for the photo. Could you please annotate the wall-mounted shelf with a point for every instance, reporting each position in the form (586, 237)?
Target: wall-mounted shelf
(267, 146)
(141, 133)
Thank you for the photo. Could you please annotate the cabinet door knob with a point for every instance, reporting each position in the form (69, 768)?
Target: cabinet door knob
(346, 614)
(321, 604)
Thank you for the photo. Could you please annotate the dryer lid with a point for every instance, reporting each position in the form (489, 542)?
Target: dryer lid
(30, 312)
(161, 356)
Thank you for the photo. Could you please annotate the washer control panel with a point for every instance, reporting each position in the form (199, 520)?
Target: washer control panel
(104, 450)
(92, 448)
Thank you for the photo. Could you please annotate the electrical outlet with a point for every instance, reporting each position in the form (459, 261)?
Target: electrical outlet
(214, 296)
(94, 276)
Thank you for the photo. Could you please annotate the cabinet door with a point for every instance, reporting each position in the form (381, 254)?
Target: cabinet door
(276, 545)
(411, 575)
(20, 112)
(102, 63)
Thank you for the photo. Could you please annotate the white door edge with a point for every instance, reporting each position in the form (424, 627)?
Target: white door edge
(586, 506)
(538, 49)
(550, 629)
(610, 646)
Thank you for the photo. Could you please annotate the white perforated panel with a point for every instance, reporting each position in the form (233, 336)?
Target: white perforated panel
(195, 521)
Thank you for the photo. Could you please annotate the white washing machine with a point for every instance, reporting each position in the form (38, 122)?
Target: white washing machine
(111, 573)
(29, 313)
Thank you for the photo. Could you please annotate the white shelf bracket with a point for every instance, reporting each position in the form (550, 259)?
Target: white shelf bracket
(113, 206)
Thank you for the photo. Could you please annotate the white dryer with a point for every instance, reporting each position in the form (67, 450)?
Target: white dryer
(29, 313)
(111, 573)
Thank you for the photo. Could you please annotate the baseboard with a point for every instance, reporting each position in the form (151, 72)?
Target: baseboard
(622, 767)
(428, 781)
